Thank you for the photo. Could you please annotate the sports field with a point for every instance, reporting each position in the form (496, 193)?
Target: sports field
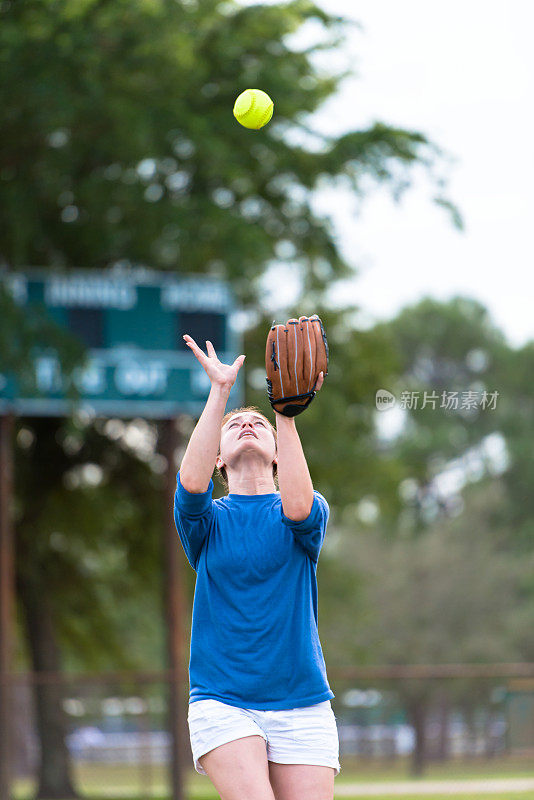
(133, 782)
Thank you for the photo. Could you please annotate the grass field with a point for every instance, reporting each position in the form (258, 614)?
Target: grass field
(355, 770)
(132, 782)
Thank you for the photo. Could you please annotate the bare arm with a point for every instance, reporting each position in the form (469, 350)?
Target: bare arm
(296, 488)
(294, 480)
(198, 462)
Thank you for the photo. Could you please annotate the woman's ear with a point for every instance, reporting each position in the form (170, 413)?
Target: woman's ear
(219, 462)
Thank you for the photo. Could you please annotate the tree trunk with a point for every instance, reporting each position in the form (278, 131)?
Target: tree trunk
(417, 712)
(55, 780)
(174, 602)
(444, 715)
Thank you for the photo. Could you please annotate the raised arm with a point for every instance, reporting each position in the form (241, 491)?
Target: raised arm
(198, 462)
(294, 480)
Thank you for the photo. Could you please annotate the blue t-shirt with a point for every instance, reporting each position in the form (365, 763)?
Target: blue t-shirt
(254, 637)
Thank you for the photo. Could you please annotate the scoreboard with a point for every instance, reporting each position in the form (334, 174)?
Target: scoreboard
(132, 324)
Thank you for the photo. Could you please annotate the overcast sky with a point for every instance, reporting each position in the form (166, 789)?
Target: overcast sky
(462, 73)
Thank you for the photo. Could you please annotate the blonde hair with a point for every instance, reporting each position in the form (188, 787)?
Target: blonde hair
(222, 471)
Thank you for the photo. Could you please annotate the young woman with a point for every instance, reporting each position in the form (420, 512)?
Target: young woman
(260, 718)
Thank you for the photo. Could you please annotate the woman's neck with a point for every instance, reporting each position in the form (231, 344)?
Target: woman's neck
(251, 483)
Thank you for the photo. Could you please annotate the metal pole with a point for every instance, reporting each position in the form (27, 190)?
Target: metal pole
(174, 603)
(7, 601)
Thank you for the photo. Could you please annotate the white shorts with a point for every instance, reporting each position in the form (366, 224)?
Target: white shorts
(306, 735)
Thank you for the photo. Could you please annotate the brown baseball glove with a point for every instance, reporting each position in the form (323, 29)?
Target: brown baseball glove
(295, 355)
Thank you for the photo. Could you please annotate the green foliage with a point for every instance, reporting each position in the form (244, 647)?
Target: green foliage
(89, 520)
(119, 144)
(444, 347)
(439, 581)
(445, 596)
(514, 370)
(455, 346)
(453, 594)
(119, 147)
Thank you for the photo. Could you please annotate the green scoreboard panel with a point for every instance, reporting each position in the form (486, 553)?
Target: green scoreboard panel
(132, 324)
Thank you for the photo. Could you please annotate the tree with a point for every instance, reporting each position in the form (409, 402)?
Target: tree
(444, 612)
(455, 347)
(119, 148)
(88, 521)
(449, 595)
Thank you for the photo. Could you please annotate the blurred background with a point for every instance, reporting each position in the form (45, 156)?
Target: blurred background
(390, 194)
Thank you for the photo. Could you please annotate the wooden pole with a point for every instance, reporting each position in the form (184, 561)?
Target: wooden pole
(7, 599)
(174, 607)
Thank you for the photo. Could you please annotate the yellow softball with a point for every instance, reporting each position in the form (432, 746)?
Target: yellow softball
(253, 108)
